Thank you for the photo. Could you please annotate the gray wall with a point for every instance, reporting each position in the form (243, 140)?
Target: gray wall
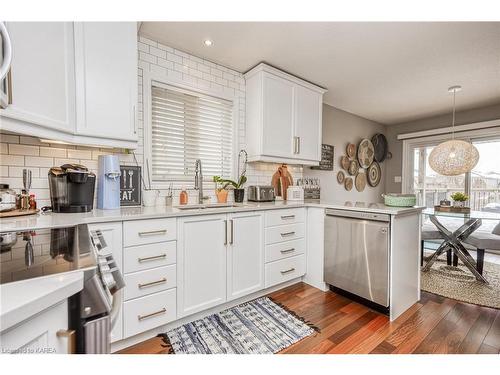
(394, 166)
(339, 129)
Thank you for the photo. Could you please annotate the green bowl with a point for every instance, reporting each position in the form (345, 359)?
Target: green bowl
(400, 200)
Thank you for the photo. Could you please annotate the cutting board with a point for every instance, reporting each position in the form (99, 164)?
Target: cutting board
(18, 212)
(281, 180)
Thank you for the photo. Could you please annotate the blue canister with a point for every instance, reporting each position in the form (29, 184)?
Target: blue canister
(108, 182)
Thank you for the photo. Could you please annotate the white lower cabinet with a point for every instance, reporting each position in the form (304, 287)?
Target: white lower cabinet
(145, 313)
(245, 255)
(286, 269)
(220, 258)
(44, 333)
(201, 262)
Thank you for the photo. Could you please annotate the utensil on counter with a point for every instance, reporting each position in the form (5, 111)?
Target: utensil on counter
(29, 254)
(27, 178)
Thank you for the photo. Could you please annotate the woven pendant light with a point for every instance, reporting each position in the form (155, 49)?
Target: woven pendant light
(453, 157)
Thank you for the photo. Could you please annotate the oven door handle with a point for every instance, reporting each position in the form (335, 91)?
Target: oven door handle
(116, 307)
(7, 51)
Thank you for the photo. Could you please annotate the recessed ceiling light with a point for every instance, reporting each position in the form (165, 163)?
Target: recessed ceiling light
(207, 42)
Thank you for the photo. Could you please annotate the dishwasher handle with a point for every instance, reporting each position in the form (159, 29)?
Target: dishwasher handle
(358, 215)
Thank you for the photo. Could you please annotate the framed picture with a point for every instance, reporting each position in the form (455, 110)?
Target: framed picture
(130, 185)
(326, 163)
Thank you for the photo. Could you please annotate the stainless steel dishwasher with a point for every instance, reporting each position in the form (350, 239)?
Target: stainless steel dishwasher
(357, 254)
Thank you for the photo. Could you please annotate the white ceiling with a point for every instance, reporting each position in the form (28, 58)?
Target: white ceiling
(386, 72)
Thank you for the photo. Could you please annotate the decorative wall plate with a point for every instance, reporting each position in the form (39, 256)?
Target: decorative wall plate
(351, 150)
(345, 162)
(348, 183)
(380, 146)
(360, 181)
(374, 174)
(340, 177)
(366, 153)
(353, 167)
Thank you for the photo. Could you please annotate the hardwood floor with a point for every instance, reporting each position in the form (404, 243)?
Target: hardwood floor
(434, 325)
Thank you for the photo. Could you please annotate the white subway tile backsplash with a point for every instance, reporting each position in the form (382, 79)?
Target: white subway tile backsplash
(148, 41)
(158, 52)
(9, 138)
(39, 161)
(4, 148)
(53, 152)
(12, 160)
(18, 171)
(173, 57)
(79, 154)
(15, 149)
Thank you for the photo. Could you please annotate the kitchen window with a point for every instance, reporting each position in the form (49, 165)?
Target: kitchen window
(184, 125)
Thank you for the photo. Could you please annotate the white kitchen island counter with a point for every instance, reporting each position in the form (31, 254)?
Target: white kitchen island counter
(23, 299)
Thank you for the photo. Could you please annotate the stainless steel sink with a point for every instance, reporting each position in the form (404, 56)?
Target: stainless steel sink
(206, 206)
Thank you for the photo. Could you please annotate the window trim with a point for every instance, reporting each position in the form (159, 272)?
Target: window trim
(411, 143)
(147, 82)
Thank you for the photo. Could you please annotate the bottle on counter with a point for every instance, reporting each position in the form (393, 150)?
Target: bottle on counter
(32, 201)
(183, 198)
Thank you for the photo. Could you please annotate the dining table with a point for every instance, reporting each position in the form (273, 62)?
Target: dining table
(454, 237)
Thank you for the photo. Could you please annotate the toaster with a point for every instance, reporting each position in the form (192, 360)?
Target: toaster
(260, 193)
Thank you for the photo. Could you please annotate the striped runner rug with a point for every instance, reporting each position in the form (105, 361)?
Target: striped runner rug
(261, 326)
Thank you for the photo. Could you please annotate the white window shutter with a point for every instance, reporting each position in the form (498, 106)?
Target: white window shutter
(186, 126)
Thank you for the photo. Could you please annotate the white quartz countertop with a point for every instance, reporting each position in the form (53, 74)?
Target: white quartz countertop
(22, 299)
(58, 220)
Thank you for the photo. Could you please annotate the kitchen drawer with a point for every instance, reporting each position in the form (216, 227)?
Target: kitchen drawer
(285, 269)
(145, 313)
(284, 250)
(139, 284)
(283, 233)
(140, 258)
(285, 216)
(141, 232)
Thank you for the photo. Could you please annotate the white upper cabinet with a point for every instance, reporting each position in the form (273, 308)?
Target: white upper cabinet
(307, 123)
(74, 82)
(42, 76)
(283, 117)
(106, 79)
(277, 116)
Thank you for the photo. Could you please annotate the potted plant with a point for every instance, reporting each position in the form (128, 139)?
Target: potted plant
(222, 185)
(459, 199)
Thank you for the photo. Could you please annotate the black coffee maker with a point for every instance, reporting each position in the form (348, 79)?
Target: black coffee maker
(71, 188)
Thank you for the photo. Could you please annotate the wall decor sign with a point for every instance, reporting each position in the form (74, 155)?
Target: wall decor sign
(130, 185)
(326, 163)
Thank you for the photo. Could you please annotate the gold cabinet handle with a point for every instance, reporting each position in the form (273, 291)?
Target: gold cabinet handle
(287, 234)
(153, 233)
(287, 271)
(155, 257)
(156, 313)
(70, 336)
(287, 217)
(152, 283)
(287, 251)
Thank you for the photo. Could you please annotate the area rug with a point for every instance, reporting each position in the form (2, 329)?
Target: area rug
(261, 326)
(459, 283)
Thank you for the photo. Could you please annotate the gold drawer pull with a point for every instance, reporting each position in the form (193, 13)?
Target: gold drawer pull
(70, 335)
(152, 283)
(288, 217)
(142, 317)
(287, 251)
(147, 259)
(287, 271)
(153, 233)
(287, 234)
